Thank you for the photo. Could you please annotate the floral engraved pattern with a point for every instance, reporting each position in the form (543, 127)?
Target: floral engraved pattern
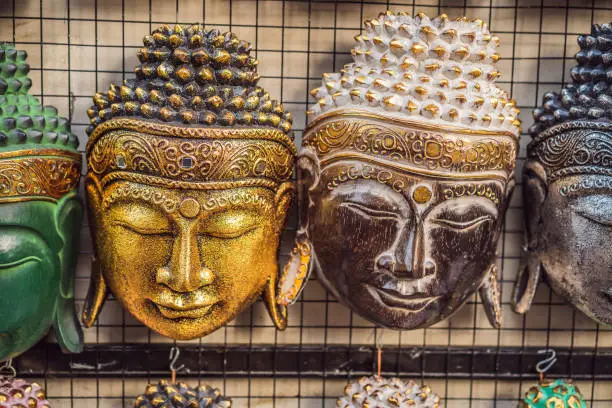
(578, 151)
(141, 193)
(190, 160)
(367, 172)
(171, 204)
(586, 184)
(471, 189)
(25, 177)
(423, 149)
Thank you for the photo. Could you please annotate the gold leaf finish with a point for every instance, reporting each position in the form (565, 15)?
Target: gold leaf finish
(207, 204)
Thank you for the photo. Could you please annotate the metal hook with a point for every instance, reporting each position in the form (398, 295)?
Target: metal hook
(175, 352)
(545, 365)
(7, 369)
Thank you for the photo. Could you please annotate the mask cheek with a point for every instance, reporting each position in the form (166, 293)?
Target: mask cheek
(130, 275)
(461, 257)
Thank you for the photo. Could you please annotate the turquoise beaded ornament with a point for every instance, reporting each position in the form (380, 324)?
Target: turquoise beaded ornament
(552, 393)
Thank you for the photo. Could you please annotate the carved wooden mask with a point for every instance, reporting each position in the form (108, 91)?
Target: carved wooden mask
(402, 203)
(40, 215)
(188, 185)
(567, 188)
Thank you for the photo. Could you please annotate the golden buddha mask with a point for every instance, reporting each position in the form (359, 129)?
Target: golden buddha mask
(188, 186)
(406, 172)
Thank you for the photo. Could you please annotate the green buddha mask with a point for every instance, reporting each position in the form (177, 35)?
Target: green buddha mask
(40, 215)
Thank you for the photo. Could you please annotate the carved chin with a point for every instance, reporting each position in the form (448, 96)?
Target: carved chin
(183, 324)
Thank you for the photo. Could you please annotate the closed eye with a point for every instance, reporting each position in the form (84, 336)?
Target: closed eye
(598, 218)
(370, 212)
(463, 225)
(20, 262)
(231, 234)
(594, 207)
(142, 230)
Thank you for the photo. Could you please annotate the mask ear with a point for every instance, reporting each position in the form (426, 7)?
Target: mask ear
(491, 298)
(534, 194)
(97, 286)
(68, 218)
(282, 203)
(297, 271)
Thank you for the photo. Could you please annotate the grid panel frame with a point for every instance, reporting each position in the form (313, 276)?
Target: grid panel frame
(296, 41)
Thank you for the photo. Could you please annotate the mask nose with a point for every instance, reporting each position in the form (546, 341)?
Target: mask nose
(422, 265)
(406, 259)
(185, 272)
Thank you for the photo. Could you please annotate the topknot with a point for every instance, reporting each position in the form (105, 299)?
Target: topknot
(14, 71)
(589, 96)
(438, 69)
(23, 120)
(192, 76)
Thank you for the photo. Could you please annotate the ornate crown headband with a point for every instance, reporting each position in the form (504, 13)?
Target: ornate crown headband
(38, 156)
(411, 146)
(571, 133)
(192, 118)
(187, 157)
(571, 148)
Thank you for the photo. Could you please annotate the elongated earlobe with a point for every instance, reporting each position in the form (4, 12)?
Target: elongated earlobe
(526, 282)
(68, 218)
(297, 271)
(491, 298)
(95, 296)
(278, 312)
(98, 289)
(528, 277)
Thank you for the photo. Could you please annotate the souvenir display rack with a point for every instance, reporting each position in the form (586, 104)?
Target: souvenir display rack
(77, 46)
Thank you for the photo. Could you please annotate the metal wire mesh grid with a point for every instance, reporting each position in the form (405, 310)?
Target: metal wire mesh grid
(77, 47)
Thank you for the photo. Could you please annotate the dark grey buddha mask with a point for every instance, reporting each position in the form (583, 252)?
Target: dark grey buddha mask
(567, 188)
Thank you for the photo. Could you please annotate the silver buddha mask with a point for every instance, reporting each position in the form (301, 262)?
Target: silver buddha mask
(567, 188)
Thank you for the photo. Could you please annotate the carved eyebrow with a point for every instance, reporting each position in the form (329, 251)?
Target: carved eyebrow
(242, 201)
(460, 225)
(357, 207)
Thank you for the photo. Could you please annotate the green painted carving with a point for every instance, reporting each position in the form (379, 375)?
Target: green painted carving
(553, 394)
(40, 215)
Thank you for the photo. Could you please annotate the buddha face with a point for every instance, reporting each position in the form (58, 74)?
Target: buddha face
(569, 224)
(185, 262)
(568, 214)
(37, 259)
(400, 249)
